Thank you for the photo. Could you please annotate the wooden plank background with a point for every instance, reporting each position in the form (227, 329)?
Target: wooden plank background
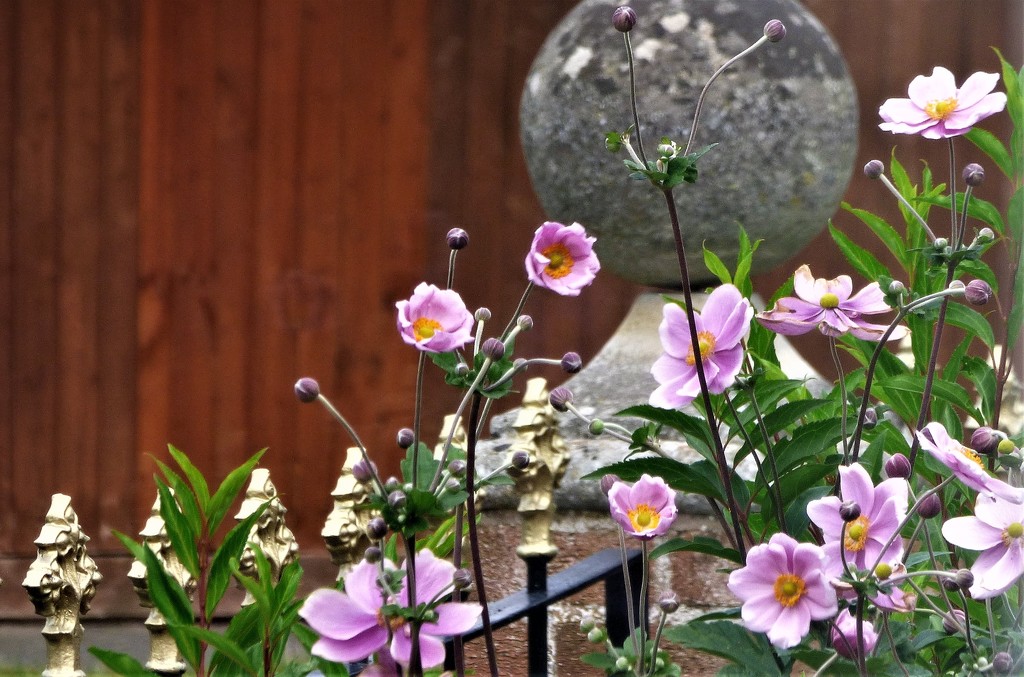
(201, 201)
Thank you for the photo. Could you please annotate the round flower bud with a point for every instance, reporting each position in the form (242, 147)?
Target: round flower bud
(596, 636)
(307, 389)
(520, 459)
(457, 468)
(452, 485)
(985, 235)
(952, 622)
(363, 471)
(978, 292)
(572, 363)
(392, 484)
(376, 528)
(874, 169)
(964, 579)
(373, 554)
(974, 174)
(897, 287)
(898, 465)
(622, 664)
(461, 369)
(930, 506)
(525, 323)
(870, 419)
(596, 427)
(849, 511)
(1002, 663)
(940, 243)
(986, 440)
(482, 314)
(560, 398)
(624, 18)
(1006, 446)
(958, 286)
(587, 623)
(396, 499)
(457, 238)
(668, 603)
(883, 571)
(607, 482)
(493, 348)
(774, 30)
(462, 579)
(405, 438)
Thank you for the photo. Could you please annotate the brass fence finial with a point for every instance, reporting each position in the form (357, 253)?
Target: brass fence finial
(164, 658)
(344, 531)
(459, 439)
(270, 534)
(61, 583)
(537, 434)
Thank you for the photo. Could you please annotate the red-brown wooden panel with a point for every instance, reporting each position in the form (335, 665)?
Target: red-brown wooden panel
(8, 517)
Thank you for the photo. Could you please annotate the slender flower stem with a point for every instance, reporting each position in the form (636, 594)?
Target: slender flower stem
(772, 483)
(459, 596)
(824, 666)
(451, 268)
(909, 207)
(991, 623)
(770, 449)
(421, 366)
(842, 393)
(645, 575)
(474, 539)
(654, 645)
(455, 420)
(631, 618)
(415, 664)
(721, 460)
(892, 645)
(962, 230)
(519, 309)
(355, 438)
(861, 654)
(910, 514)
(632, 98)
(952, 193)
(700, 100)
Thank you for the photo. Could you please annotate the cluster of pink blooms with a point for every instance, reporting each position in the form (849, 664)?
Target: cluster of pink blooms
(561, 259)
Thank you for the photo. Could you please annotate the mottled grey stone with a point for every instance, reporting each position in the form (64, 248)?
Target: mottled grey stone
(785, 118)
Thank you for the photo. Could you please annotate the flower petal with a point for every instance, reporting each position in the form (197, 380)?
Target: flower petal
(353, 649)
(971, 533)
(335, 615)
(454, 618)
(937, 87)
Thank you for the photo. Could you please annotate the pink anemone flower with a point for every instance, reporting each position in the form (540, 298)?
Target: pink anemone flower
(936, 109)
(352, 626)
(644, 510)
(882, 509)
(434, 320)
(562, 258)
(722, 325)
(965, 463)
(996, 529)
(783, 588)
(828, 306)
(844, 635)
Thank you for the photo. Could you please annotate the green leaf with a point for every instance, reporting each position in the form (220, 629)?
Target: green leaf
(949, 392)
(695, 478)
(863, 261)
(988, 144)
(704, 544)
(715, 266)
(427, 466)
(977, 209)
(694, 429)
(727, 640)
(221, 563)
(179, 531)
(228, 491)
(983, 377)
(223, 645)
(971, 321)
(257, 587)
(183, 495)
(195, 478)
(119, 663)
(886, 233)
(744, 261)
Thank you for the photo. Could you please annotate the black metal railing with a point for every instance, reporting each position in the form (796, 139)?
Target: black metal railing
(543, 590)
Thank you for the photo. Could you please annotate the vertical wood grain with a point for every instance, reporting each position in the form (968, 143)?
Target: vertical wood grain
(8, 106)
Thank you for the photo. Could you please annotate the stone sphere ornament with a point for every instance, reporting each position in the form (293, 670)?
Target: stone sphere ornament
(784, 118)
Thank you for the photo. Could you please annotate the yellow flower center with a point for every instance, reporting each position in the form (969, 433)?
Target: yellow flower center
(972, 455)
(560, 261)
(940, 109)
(644, 518)
(706, 343)
(789, 588)
(425, 328)
(392, 622)
(829, 300)
(856, 534)
(1012, 533)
